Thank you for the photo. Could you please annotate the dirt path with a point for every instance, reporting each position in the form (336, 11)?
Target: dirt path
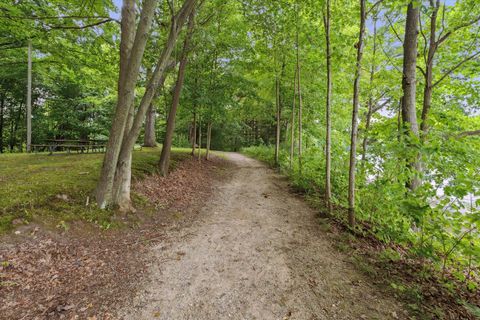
(256, 252)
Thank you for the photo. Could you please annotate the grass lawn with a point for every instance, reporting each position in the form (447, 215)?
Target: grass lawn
(32, 185)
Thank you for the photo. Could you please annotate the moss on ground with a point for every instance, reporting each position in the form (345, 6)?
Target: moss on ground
(55, 188)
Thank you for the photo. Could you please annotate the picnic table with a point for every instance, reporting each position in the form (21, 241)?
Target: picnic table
(80, 146)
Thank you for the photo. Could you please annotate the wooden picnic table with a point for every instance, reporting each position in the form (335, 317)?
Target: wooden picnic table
(81, 146)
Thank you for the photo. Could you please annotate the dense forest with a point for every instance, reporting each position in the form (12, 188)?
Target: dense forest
(371, 108)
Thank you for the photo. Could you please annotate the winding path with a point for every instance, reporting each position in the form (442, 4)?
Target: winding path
(256, 252)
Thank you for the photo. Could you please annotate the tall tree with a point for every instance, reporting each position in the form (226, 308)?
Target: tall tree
(292, 120)
(370, 105)
(354, 132)
(328, 139)
(167, 141)
(114, 183)
(129, 69)
(431, 47)
(409, 113)
(300, 105)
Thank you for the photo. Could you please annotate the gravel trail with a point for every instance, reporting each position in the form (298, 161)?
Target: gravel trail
(256, 252)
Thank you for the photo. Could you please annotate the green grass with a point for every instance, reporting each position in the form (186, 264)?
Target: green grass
(30, 185)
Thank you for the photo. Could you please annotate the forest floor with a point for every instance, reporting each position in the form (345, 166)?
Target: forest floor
(227, 239)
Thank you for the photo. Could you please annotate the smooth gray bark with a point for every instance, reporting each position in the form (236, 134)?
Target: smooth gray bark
(150, 138)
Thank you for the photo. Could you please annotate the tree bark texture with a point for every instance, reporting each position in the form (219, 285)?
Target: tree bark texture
(409, 114)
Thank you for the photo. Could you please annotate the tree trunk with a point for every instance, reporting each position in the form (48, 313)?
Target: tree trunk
(370, 98)
(167, 141)
(427, 90)
(14, 127)
(129, 68)
(328, 187)
(292, 121)
(123, 175)
(300, 107)
(2, 105)
(194, 131)
(199, 140)
(409, 113)
(29, 97)
(150, 139)
(277, 131)
(209, 139)
(354, 133)
(154, 83)
(157, 79)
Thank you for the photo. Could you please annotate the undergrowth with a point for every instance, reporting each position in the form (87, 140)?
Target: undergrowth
(445, 242)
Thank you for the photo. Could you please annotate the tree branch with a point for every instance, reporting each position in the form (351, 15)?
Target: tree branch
(458, 65)
(393, 28)
(463, 25)
(380, 106)
(468, 133)
(422, 71)
(373, 7)
(53, 17)
(82, 27)
(424, 39)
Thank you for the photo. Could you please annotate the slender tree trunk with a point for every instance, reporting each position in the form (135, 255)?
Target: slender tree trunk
(370, 98)
(279, 101)
(29, 97)
(209, 139)
(300, 107)
(277, 131)
(2, 106)
(328, 159)
(354, 133)
(409, 113)
(199, 140)
(427, 90)
(170, 130)
(194, 131)
(292, 121)
(14, 127)
(150, 139)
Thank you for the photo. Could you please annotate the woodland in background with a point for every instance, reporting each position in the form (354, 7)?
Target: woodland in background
(372, 107)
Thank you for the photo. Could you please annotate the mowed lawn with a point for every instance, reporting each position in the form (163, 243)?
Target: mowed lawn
(56, 187)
